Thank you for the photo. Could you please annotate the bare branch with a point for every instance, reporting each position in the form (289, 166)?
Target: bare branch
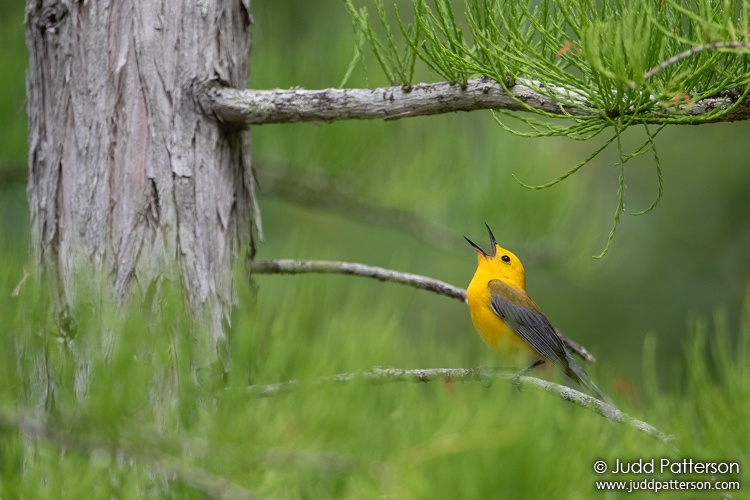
(690, 52)
(292, 266)
(255, 107)
(242, 107)
(379, 375)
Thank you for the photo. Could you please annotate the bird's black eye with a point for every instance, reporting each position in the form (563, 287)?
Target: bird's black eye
(505, 259)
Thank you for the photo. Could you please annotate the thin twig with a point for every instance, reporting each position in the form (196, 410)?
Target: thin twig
(292, 266)
(245, 107)
(690, 52)
(380, 375)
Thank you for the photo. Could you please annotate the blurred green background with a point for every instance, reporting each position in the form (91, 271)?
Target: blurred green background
(402, 194)
(685, 259)
(453, 172)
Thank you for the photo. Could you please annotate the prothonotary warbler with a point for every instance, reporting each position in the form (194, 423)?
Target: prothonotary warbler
(510, 322)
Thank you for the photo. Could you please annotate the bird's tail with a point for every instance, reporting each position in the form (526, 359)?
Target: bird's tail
(576, 373)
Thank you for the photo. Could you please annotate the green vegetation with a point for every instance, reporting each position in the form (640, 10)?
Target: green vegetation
(598, 56)
(619, 64)
(123, 405)
(145, 416)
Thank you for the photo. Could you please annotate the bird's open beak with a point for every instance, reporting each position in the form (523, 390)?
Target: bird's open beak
(476, 246)
(492, 242)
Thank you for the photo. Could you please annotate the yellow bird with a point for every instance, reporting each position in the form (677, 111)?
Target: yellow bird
(510, 322)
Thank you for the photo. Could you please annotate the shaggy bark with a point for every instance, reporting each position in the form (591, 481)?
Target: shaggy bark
(127, 175)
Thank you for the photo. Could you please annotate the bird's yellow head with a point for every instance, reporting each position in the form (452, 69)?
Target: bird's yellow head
(499, 264)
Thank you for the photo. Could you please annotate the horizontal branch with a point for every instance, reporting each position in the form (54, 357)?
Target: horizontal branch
(379, 375)
(242, 107)
(292, 266)
(256, 107)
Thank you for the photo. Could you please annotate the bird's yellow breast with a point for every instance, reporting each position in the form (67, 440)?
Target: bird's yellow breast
(491, 328)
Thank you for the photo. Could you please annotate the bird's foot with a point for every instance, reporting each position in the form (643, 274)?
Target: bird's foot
(516, 379)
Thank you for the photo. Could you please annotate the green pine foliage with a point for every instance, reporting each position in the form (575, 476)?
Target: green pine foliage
(620, 63)
(600, 57)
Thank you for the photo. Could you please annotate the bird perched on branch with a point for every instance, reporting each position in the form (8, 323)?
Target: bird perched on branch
(510, 322)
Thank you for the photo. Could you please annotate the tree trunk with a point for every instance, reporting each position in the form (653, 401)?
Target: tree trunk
(128, 177)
